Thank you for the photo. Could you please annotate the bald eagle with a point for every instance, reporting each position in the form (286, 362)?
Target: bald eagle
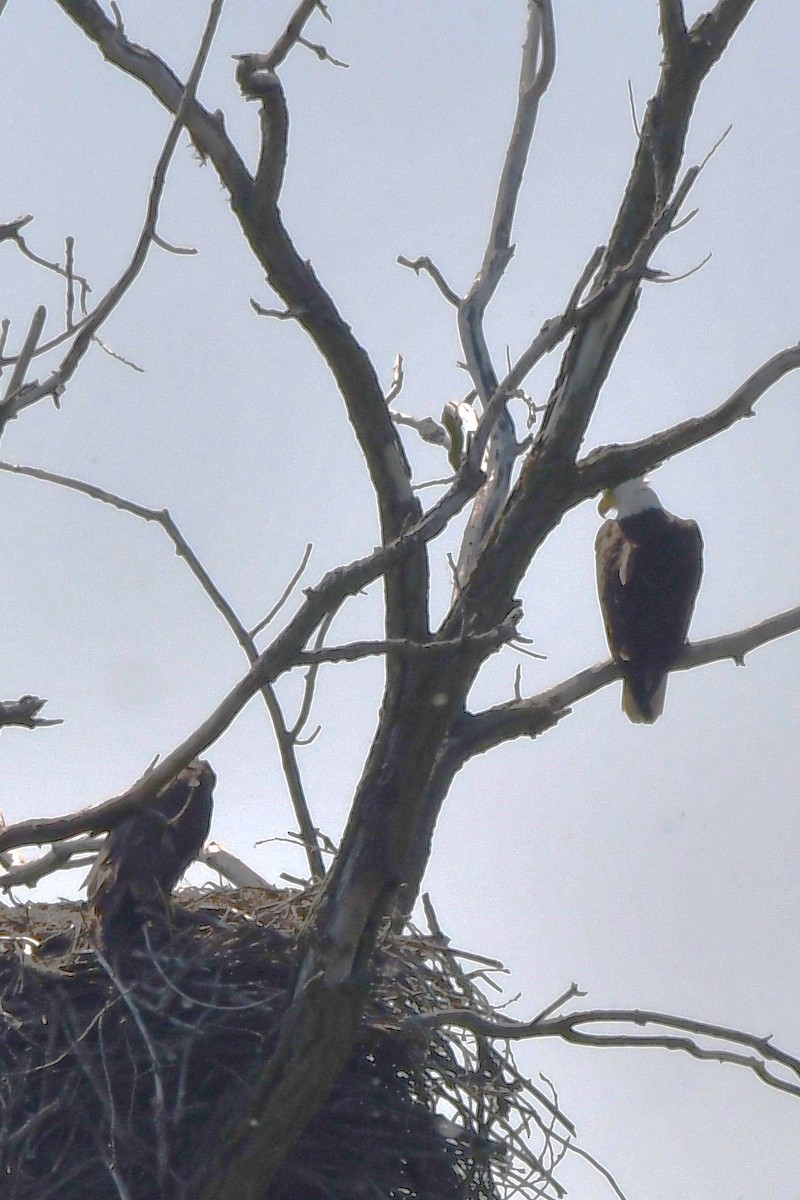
(649, 564)
(146, 854)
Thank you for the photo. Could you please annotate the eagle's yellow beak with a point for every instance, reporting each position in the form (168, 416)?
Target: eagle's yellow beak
(606, 502)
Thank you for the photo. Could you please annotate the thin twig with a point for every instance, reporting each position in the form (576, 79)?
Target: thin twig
(285, 594)
(292, 33)
(664, 278)
(69, 270)
(426, 264)
(322, 54)
(634, 119)
(398, 378)
(26, 354)
(309, 686)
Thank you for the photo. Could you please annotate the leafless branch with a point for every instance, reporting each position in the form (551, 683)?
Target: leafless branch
(54, 386)
(254, 202)
(661, 277)
(553, 331)
(398, 378)
(529, 718)
(609, 465)
(287, 744)
(309, 738)
(11, 231)
(310, 684)
(649, 208)
(428, 429)
(69, 271)
(634, 119)
(426, 264)
(322, 54)
(572, 1147)
(292, 34)
(498, 444)
(5, 327)
(206, 129)
(568, 1027)
(25, 713)
(170, 248)
(444, 481)
(26, 354)
(279, 314)
(285, 594)
(536, 72)
(355, 651)
(61, 856)
(115, 354)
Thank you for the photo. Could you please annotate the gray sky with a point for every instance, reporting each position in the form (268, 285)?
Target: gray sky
(654, 866)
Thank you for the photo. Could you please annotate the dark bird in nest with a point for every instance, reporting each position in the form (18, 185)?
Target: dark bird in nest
(144, 856)
(649, 565)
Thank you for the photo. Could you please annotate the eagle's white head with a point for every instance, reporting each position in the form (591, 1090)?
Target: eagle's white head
(628, 498)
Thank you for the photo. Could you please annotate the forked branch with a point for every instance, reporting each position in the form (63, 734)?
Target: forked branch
(482, 731)
(24, 396)
(575, 1028)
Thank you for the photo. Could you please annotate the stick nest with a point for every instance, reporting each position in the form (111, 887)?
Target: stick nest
(114, 1074)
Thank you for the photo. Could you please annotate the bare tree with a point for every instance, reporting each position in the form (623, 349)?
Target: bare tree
(518, 488)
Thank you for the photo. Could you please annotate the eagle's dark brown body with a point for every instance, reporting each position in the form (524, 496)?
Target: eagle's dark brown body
(146, 854)
(649, 567)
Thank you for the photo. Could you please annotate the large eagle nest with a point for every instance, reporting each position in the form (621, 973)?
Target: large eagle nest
(113, 1081)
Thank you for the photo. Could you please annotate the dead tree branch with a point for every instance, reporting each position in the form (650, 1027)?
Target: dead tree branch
(609, 465)
(480, 732)
(24, 396)
(426, 264)
(24, 713)
(356, 651)
(25, 355)
(644, 217)
(62, 856)
(285, 594)
(499, 444)
(568, 1027)
(292, 34)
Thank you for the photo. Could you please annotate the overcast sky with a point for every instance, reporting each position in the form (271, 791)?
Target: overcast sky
(656, 867)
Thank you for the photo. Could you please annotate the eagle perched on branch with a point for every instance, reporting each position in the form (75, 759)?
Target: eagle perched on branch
(649, 565)
(146, 854)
